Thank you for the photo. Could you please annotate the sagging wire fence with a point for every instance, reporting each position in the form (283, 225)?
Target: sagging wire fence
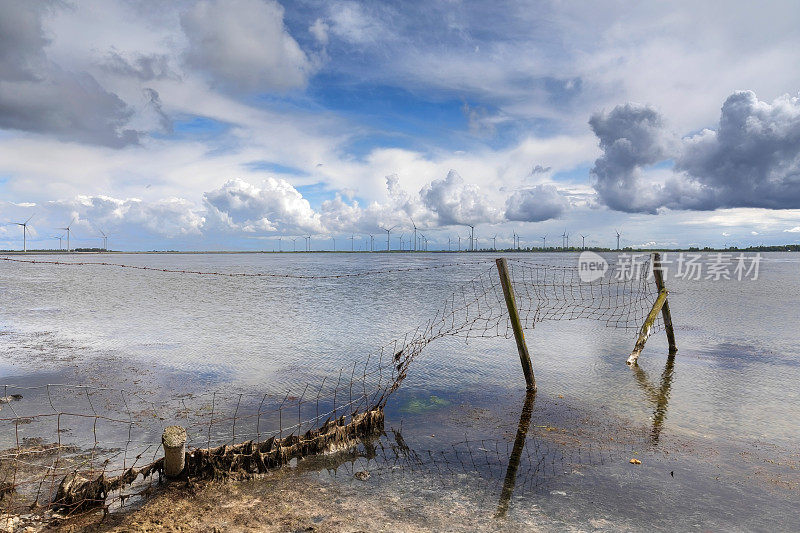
(75, 448)
(547, 292)
(239, 274)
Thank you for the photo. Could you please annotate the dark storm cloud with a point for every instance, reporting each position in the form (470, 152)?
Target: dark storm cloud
(631, 136)
(536, 204)
(21, 39)
(244, 45)
(752, 159)
(68, 105)
(39, 96)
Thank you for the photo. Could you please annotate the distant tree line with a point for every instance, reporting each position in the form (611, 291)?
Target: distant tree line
(762, 248)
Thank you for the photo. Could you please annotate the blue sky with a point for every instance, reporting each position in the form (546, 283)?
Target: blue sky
(200, 124)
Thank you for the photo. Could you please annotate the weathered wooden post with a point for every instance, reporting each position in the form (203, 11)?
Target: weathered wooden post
(658, 274)
(516, 325)
(174, 441)
(659, 305)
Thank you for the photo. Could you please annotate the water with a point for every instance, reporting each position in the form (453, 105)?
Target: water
(717, 430)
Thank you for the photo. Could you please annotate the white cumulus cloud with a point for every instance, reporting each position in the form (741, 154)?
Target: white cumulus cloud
(274, 206)
(456, 202)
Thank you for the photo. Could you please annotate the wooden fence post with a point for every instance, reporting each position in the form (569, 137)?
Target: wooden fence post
(174, 442)
(658, 274)
(516, 325)
(661, 305)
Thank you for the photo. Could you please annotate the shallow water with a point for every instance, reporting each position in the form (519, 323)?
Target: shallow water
(716, 429)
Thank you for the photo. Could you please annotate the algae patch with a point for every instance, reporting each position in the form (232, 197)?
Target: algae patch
(417, 406)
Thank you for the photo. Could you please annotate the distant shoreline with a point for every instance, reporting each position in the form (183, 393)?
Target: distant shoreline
(779, 248)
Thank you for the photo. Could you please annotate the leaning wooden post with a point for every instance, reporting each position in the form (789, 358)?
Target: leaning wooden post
(174, 441)
(516, 325)
(658, 274)
(644, 334)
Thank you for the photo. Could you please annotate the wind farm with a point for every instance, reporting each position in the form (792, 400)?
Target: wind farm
(407, 236)
(400, 238)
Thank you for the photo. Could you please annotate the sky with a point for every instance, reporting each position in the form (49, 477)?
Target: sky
(231, 124)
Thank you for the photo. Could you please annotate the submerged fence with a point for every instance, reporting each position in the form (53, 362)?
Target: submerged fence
(74, 448)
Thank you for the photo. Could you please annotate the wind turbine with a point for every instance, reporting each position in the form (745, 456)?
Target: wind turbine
(24, 232)
(459, 243)
(471, 236)
(494, 242)
(402, 241)
(294, 243)
(618, 235)
(583, 241)
(334, 243)
(564, 239)
(105, 239)
(353, 242)
(280, 247)
(424, 242)
(415, 233)
(68, 232)
(59, 237)
(371, 242)
(544, 242)
(388, 233)
(308, 243)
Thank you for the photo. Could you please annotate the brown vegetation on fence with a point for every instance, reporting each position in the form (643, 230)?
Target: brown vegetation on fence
(77, 493)
(255, 458)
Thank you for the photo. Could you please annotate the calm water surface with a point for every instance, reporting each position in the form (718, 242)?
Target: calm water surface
(716, 429)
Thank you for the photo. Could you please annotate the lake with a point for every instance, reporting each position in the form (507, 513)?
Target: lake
(715, 428)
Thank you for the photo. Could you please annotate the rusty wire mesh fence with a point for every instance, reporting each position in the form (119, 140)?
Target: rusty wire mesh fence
(49, 432)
